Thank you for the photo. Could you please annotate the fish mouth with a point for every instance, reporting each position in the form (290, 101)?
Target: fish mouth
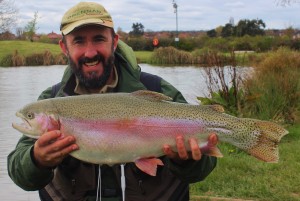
(24, 127)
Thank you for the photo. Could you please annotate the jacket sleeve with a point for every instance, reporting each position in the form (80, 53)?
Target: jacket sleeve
(21, 167)
(190, 171)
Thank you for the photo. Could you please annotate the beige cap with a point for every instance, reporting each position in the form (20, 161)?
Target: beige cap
(85, 13)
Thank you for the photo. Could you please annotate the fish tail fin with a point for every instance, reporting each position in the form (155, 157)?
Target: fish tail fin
(266, 148)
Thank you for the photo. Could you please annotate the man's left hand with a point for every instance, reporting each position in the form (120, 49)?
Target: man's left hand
(182, 153)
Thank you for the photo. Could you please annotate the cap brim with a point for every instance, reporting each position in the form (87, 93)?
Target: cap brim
(70, 27)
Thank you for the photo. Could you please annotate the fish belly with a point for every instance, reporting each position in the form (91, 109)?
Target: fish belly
(127, 140)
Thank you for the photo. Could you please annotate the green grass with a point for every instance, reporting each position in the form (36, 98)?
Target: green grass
(239, 175)
(27, 48)
(143, 56)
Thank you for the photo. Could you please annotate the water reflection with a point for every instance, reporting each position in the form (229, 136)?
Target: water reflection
(21, 85)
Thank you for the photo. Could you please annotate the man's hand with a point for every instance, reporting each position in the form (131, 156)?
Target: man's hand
(182, 153)
(51, 148)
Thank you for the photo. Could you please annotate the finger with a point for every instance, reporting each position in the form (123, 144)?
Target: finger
(182, 152)
(53, 154)
(49, 137)
(195, 149)
(213, 139)
(61, 154)
(61, 144)
(169, 152)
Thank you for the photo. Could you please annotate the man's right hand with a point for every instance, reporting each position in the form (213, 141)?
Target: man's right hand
(52, 147)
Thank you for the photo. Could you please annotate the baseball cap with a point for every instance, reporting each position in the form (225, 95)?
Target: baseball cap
(85, 13)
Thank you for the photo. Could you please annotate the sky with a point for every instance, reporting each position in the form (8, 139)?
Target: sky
(158, 15)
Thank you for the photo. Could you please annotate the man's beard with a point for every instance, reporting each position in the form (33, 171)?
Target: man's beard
(94, 81)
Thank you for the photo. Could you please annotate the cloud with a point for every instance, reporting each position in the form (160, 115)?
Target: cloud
(159, 15)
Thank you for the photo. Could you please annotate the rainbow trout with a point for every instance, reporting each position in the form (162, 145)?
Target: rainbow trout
(133, 127)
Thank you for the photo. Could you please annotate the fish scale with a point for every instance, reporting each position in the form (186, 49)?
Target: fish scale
(134, 127)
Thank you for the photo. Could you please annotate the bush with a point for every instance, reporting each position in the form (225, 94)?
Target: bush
(273, 90)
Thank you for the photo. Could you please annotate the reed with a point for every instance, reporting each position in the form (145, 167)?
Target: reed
(274, 87)
(48, 58)
(170, 55)
(14, 59)
(17, 59)
(60, 59)
(37, 59)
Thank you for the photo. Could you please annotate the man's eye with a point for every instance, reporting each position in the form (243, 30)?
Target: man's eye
(99, 39)
(78, 41)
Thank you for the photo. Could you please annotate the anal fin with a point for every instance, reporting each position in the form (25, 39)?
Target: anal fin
(148, 165)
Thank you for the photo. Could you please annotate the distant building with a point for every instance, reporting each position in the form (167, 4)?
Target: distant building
(54, 37)
(7, 36)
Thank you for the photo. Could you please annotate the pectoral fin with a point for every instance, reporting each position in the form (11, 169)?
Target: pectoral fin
(148, 165)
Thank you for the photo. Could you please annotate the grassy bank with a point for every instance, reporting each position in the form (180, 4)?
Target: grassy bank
(239, 176)
(27, 48)
(143, 56)
(19, 53)
(33, 53)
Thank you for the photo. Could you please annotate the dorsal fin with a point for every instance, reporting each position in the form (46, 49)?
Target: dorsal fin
(217, 108)
(151, 95)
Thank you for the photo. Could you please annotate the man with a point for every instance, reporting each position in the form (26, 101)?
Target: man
(100, 63)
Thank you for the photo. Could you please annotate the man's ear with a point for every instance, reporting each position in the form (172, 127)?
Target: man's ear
(63, 47)
(116, 39)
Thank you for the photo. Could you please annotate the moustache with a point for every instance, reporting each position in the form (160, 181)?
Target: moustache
(96, 58)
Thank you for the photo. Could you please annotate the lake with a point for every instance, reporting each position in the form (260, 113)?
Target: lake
(21, 85)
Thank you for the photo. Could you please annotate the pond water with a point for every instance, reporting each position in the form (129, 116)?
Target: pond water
(21, 85)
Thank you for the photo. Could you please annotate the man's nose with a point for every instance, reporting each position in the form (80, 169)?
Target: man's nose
(90, 51)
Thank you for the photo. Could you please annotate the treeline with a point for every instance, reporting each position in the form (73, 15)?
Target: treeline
(245, 35)
(244, 27)
(255, 43)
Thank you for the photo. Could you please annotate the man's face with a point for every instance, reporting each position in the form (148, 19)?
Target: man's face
(90, 51)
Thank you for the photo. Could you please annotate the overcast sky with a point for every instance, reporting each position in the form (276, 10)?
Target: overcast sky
(157, 15)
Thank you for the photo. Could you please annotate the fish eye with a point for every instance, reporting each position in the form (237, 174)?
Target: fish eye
(30, 115)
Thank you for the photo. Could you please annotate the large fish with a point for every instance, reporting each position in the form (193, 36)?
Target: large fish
(133, 127)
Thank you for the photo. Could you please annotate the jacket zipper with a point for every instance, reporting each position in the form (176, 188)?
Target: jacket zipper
(73, 183)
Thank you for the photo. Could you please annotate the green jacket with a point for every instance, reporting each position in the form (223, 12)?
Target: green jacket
(76, 180)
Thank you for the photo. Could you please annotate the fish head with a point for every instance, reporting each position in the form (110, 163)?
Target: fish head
(36, 121)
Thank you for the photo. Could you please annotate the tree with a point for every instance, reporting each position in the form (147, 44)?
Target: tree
(286, 2)
(250, 27)
(228, 30)
(211, 33)
(8, 15)
(137, 29)
(289, 32)
(31, 27)
(20, 33)
(123, 35)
